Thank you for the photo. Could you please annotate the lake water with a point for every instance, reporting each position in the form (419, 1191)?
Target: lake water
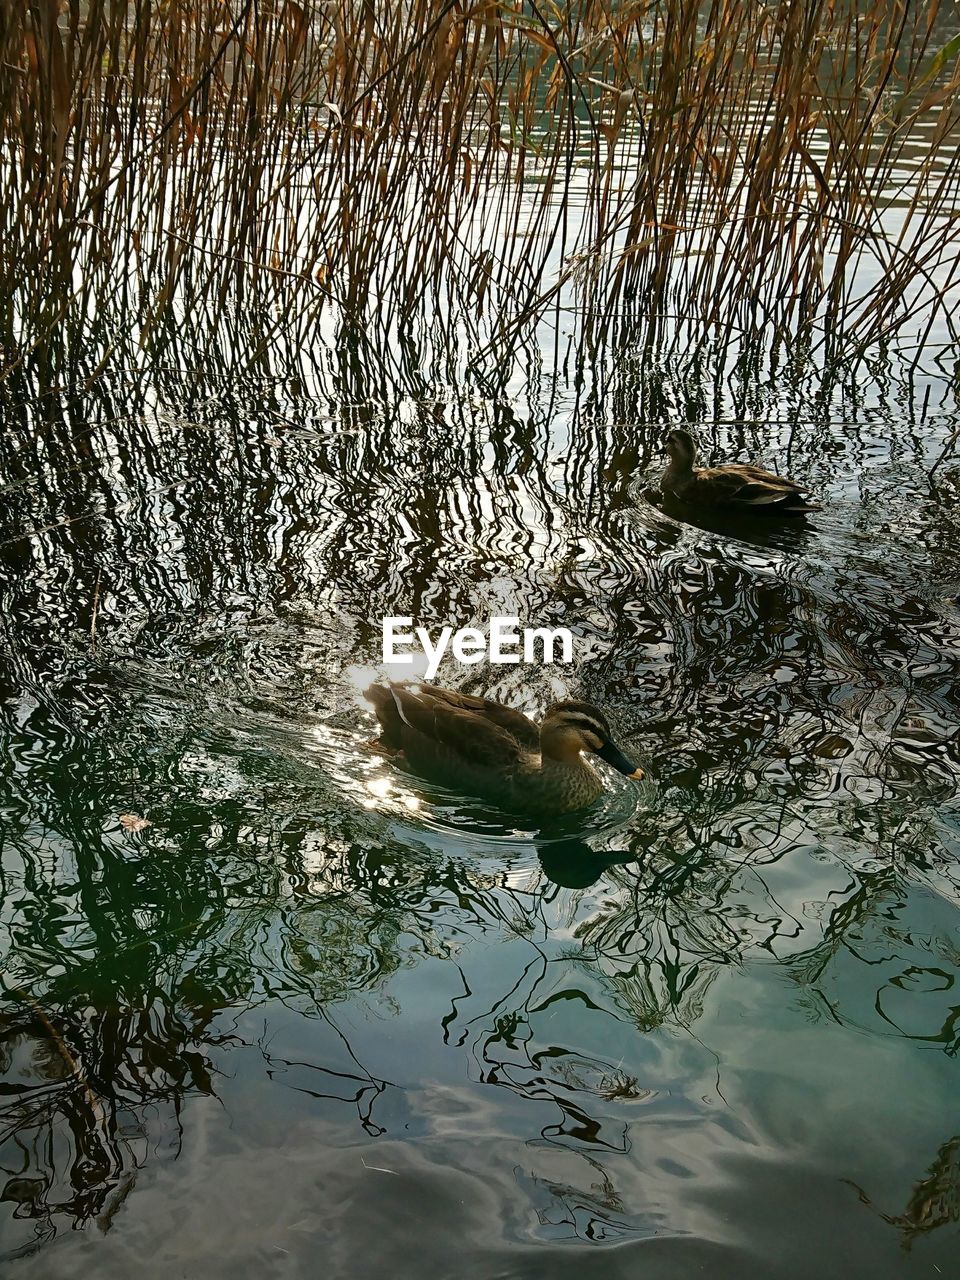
(317, 1018)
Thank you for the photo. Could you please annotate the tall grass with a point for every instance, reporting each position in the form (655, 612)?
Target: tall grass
(677, 169)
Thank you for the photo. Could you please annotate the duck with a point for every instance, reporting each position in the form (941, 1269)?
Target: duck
(493, 751)
(736, 486)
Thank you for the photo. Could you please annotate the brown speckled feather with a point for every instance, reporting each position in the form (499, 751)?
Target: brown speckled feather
(514, 722)
(473, 737)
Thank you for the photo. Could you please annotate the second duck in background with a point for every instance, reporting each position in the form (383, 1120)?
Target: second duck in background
(735, 487)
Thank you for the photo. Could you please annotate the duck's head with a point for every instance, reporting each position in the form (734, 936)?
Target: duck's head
(680, 447)
(571, 727)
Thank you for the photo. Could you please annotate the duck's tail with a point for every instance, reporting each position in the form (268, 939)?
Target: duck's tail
(388, 713)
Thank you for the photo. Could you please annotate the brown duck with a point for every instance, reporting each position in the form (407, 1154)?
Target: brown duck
(490, 750)
(736, 487)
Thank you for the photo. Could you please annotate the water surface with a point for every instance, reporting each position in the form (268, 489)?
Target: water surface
(314, 1014)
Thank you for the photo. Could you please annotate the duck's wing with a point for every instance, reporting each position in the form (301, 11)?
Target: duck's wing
(749, 487)
(754, 494)
(427, 726)
(514, 722)
(774, 495)
(757, 475)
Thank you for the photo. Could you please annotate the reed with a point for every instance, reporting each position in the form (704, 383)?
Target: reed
(676, 171)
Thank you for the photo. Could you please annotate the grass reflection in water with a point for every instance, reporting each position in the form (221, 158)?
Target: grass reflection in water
(612, 1027)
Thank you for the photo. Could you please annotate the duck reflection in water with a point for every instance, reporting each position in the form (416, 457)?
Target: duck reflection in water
(572, 864)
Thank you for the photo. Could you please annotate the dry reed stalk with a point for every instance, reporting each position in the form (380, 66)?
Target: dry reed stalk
(782, 170)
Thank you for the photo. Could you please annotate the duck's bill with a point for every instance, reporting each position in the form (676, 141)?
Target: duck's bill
(613, 755)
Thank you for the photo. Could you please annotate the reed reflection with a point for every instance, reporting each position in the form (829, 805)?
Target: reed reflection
(187, 571)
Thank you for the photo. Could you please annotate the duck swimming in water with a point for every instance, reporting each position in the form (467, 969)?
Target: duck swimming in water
(490, 750)
(736, 487)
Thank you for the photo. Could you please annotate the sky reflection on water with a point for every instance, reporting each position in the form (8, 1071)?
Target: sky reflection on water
(315, 1009)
